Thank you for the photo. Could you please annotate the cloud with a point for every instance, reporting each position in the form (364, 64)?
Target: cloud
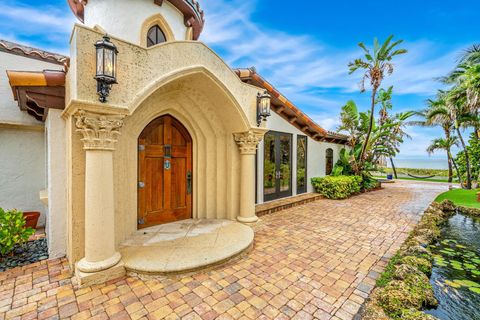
(302, 62)
(41, 25)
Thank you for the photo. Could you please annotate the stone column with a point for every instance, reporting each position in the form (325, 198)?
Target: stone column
(247, 143)
(100, 134)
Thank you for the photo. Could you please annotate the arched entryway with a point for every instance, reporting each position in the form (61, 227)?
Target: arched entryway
(164, 173)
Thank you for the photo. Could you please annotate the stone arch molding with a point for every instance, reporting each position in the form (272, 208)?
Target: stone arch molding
(156, 19)
(238, 111)
(194, 100)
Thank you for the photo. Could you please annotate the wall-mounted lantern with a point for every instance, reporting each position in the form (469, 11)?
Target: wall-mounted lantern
(263, 107)
(106, 67)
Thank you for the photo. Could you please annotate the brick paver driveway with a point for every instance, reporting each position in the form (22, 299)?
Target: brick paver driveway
(319, 260)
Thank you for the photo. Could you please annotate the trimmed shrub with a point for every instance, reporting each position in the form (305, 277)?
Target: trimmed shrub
(12, 230)
(339, 187)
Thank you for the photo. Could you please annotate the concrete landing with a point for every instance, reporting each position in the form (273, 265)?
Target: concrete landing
(185, 246)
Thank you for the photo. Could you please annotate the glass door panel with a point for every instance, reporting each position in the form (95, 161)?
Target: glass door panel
(285, 162)
(301, 164)
(277, 176)
(269, 171)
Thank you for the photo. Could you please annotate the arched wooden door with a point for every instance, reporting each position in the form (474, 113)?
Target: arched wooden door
(164, 172)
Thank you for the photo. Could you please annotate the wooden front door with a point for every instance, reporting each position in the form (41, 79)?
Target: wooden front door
(164, 172)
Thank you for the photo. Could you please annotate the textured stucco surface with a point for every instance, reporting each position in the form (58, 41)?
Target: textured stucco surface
(124, 18)
(316, 155)
(184, 79)
(22, 170)
(56, 226)
(22, 149)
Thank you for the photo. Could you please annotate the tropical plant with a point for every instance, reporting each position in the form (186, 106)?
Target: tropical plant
(12, 230)
(448, 107)
(446, 144)
(376, 64)
(473, 149)
(429, 119)
(340, 187)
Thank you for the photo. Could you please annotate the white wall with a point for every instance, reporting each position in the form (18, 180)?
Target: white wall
(316, 153)
(22, 143)
(22, 170)
(56, 224)
(124, 18)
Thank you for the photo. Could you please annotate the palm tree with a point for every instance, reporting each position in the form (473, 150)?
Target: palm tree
(446, 144)
(377, 64)
(429, 119)
(449, 108)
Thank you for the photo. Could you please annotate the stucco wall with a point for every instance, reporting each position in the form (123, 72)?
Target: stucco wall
(22, 170)
(56, 224)
(22, 143)
(124, 19)
(316, 155)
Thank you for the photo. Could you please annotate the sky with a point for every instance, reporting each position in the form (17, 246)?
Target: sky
(303, 47)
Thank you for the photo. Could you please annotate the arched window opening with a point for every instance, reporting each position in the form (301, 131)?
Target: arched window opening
(155, 36)
(329, 162)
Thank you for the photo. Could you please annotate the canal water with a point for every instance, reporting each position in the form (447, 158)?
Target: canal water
(456, 272)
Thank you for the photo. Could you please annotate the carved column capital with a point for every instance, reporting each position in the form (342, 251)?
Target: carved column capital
(100, 131)
(248, 141)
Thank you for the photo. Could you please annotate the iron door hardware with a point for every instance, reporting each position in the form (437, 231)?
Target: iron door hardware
(141, 184)
(141, 221)
(189, 182)
(167, 151)
(141, 147)
(278, 175)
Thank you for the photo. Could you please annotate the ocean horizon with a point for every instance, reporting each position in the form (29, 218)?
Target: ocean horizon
(420, 163)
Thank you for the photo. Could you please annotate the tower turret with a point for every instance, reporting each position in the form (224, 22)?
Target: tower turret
(143, 22)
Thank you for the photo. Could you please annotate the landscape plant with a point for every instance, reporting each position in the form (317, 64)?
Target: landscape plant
(339, 187)
(376, 65)
(12, 230)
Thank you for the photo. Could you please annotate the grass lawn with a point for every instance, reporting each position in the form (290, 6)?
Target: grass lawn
(460, 197)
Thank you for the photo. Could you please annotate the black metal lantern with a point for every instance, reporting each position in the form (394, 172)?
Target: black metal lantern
(263, 107)
(106, 74)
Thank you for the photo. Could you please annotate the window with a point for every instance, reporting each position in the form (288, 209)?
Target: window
(329, 162)
(301, 164)
(155, 36)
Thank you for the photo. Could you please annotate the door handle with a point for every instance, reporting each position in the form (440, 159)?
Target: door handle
(278, 175)
(189, 182)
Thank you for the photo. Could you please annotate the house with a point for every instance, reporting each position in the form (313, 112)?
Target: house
(174, 134)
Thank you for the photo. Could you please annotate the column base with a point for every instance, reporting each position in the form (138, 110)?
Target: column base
(90, 267)
(86, 279)
(247, 220)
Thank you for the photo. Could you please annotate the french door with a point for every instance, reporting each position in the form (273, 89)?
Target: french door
(277, 166)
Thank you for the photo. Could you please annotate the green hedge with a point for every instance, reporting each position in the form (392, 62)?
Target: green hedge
(339, 187)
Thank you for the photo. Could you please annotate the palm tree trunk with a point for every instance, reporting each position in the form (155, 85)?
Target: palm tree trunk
(456, 169)
(446, 129)
(450, 169)
(370, 127)
(467, 159)
(393, 167)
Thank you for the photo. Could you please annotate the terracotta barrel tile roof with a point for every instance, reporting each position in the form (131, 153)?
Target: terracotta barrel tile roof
(287, 110)
(34, 53)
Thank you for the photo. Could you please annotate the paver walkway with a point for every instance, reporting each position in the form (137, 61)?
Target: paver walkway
(319, 260)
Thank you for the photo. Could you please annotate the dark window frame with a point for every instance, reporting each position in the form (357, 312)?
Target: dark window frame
(301, 190)
(279, 194)
(159, 36)
(327, 157)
